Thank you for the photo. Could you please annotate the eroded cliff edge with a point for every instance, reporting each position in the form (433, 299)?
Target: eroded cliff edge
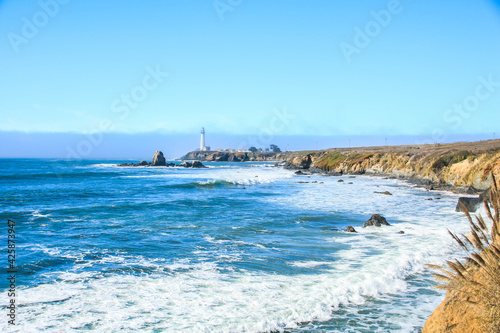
(465, 166)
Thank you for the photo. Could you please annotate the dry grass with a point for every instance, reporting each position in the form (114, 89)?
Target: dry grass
(477, 279)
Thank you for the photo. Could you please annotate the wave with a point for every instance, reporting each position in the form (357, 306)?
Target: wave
(58, 175)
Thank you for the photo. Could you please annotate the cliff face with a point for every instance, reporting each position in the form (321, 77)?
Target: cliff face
(218, 156)
(457, 165)
(458, 314)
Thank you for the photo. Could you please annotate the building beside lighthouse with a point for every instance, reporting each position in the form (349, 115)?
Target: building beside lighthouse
(202, 141)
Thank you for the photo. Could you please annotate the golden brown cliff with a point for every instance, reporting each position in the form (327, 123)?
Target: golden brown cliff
(457, 164)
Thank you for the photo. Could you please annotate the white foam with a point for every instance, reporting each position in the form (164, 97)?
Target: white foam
(237, 176)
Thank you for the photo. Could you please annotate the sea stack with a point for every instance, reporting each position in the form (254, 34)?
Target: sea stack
(158, 159)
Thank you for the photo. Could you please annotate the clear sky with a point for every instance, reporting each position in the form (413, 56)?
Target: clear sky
(252, 72)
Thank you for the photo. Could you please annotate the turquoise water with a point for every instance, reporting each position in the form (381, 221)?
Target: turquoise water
(236, 247)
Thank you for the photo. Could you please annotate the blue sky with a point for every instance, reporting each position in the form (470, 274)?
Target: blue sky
(413, 71)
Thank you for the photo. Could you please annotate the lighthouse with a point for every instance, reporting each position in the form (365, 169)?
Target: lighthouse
(202, 139)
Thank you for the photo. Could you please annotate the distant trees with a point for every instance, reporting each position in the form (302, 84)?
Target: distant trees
(274, 148)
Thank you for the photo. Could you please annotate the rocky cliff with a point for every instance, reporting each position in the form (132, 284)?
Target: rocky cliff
(462, 165)
(459, 314)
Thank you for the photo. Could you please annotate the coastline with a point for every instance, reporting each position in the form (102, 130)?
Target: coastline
(462, 167)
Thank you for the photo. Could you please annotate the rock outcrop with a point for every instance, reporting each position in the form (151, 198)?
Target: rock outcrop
(194, 164)
(158, 159)
(299, 162)
(350, 229)
(471, 204)
(376, 220)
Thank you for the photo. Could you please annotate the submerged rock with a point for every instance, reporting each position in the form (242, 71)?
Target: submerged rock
(385, 192)
(350, 229)
(376, 220)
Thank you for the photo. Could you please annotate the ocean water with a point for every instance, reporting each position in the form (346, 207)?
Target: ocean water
(236, 247)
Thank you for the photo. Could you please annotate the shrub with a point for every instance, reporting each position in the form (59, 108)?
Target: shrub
(449, 159)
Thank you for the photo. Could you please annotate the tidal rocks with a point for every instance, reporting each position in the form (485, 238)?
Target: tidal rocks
(195, 164)
(385, 192)
(471, 204)
(350, 229)
(340, 181)
(376, 220)
(141, 163)
(158, 159)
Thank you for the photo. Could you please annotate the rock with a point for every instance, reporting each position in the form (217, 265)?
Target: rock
(485, 196)
(376, 220)
(471, 204)
(385, 192)
(315, 170)
(340, 181)
(299, 162)
(352, 176)
(457, 314)
(197, 164)
(334, 173)
(350, 229)
(304, 161)
(299, 172)
(349, 183)
(401, 232)
(142, 163)
(158, 159)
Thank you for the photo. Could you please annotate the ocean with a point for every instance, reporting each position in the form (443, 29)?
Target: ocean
(235, 247)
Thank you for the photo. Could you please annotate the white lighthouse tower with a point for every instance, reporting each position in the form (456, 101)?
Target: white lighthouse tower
(202, 140)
